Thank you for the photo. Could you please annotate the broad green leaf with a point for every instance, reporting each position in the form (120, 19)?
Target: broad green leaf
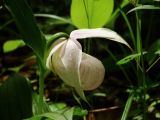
(98, 33)
(79, 111)
(129, 58)
(69, 113)
(157, 52)
(12, 45)
(26, 23)
(15, 99)
(91, 13)
(57, 106)
(144, 7)
(66, 114)
(36, 117)
(54, 116)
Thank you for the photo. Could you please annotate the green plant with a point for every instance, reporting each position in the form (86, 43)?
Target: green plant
(34, 38)
(142, 88)
(62, 53)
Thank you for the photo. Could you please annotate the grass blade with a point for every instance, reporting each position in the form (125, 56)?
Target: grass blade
(127, 107)
(144, 7)
(54, 17)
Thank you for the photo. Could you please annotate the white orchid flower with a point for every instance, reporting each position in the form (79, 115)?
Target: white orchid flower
(76, 68)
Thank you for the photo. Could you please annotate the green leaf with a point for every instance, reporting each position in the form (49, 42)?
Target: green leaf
(12, 45)
(65, 114)
(15, 99)
(69, 113)
(54, 116)
(91, 13)
(35, 104)
(57, 106)
(144, 7)
(157, 52)
(129, 58)
(26, 23)
(37, 117)
(54, 17)
(79, 111)
(127, 107)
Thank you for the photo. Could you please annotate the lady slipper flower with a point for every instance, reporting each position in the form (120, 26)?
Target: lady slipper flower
(76, 68)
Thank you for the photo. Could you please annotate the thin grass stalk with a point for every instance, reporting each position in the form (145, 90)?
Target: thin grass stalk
(138, 47)
(131, 64)
(140, 60)
(153, 64)
(127, 106)
(115, 59)
(149, 30)
(129, 27)
(5, 24)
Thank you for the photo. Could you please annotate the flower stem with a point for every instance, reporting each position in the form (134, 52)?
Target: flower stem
(41, 88)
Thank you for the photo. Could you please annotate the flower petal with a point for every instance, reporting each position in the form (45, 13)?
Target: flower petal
(99, 33)
(92, 72)
(71, 59)
(66, 61)
(59, 43)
